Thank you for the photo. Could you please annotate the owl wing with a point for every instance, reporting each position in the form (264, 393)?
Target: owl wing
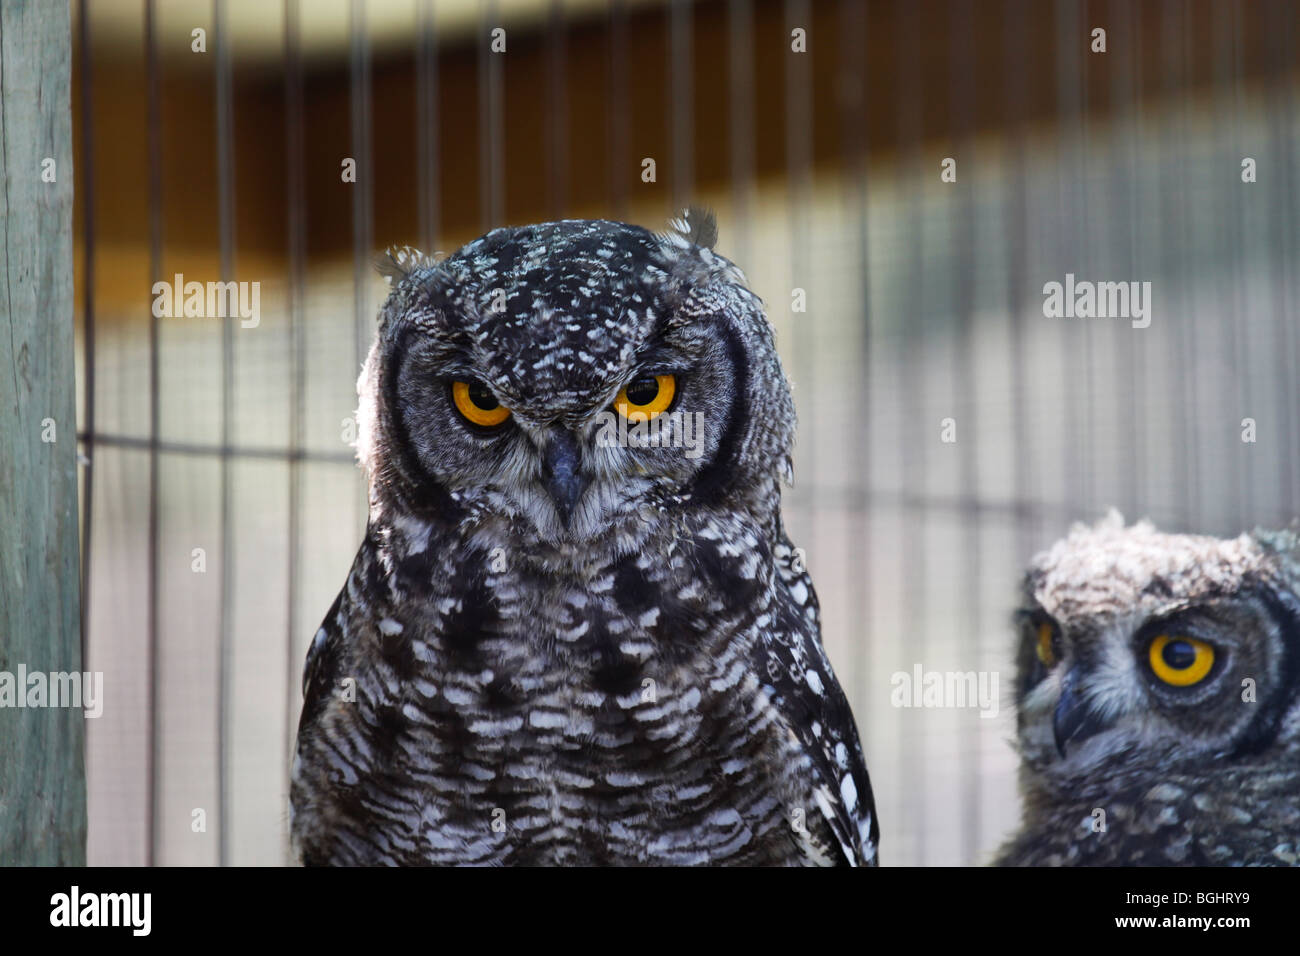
(797, 676)
(321, 669)
(346, 622)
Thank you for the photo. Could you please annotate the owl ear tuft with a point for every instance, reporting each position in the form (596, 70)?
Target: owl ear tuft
(398, 262)
(698, 225)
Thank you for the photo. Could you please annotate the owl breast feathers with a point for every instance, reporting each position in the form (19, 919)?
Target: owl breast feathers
(576, 631)
(1158, 700)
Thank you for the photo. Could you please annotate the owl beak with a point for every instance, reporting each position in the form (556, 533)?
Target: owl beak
(1074, 719)
(560, 473)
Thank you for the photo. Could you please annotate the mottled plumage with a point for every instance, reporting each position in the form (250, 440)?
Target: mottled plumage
(1159, 700)
(560, 650)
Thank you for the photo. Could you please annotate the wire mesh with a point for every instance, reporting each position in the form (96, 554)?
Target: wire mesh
(923, 307)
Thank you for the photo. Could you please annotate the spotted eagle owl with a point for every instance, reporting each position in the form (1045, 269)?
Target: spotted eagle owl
(1158, 700)
(576, 631)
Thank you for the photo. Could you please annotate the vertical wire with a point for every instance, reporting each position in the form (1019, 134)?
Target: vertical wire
(363, 193)
(909, 81)
(854, 143)
(1143, 262)
(1197, 513)
(1290, 176)
(557, 117)
(797, 124)
(962, 79)
(154, 757)
(1225, 210)
(1081, 190)
(740, 124)
(681, 114)
(1068, 38)
(293, 96)
(1286, 353)
(491, 138)
(88, 308)
(1185, 481)
(1238, 351)
(1123, 192)
(1015, 199)
(427, 119)
(226, 214)
(618, 120)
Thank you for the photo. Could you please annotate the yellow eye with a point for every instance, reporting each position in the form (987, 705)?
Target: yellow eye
(643, 398)
(478, 405)
(1046, 653)
(1180, 661)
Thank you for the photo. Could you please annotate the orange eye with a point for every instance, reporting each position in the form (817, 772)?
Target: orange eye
(644, 398)
(1046, 653)
(1180, 661)
(478, 405)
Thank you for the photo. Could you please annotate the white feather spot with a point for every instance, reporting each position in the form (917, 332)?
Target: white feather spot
(849, 793)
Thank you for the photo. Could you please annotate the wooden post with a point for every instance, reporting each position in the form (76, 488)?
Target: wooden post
(42, 765)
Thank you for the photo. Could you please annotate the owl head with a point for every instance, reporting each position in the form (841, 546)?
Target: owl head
(1144, 651)
(572, 383)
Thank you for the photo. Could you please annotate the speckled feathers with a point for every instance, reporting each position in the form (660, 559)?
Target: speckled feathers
(637, 680)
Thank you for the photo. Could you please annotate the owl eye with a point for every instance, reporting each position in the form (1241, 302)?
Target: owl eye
(1180, 661)
(479, 406)
(1045, 647)
(646, 397)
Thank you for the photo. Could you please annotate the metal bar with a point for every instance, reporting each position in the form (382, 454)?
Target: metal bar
(1080, 151)
(297, 236)
(618, 107)
(226, 216)
(363, 199)
(681, 113)
(363, 188)
(963, 81)
(1173, 164)
(1286, 350)
(909, 110)
(797, 124)
(153, 82)
(854, 145)
(227, 451)
(557, 114)
(1016, 16)
(740, 92)
(1069, 171)
(491, 140)
(1234, 326)
(427, 118)
(856, 498)
(1124, 190)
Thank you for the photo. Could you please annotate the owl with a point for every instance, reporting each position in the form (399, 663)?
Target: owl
(576, 631)
(1158, 700)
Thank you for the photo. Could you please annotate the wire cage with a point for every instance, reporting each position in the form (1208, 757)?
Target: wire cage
(901, 182)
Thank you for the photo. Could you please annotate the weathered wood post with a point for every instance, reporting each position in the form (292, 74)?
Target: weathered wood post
(42, 766)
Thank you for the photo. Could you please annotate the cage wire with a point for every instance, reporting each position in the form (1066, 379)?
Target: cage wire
(222, 505)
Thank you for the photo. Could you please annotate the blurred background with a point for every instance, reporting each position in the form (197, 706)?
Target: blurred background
(222, 506)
